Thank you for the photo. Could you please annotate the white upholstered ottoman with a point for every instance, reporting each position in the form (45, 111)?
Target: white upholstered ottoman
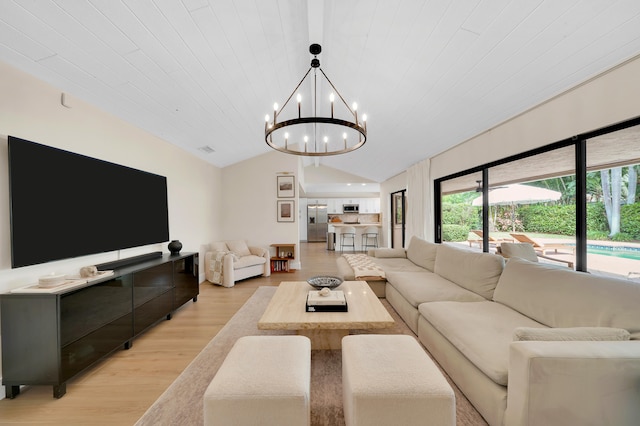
(263, 380)
(390, 380)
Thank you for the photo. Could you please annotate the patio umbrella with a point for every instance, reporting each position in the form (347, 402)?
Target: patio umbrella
(518, 194)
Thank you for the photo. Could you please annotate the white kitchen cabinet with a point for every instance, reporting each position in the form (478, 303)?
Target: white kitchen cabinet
(334, 206)
(376, 205)
(369, 205)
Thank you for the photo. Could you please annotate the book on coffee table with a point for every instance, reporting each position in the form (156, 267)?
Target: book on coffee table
(334, 302)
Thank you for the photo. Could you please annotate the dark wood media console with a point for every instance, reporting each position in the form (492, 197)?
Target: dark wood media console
(48, 338)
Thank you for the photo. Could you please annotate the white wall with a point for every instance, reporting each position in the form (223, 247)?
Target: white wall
(249, 202)
(31, 109)
(608, 99)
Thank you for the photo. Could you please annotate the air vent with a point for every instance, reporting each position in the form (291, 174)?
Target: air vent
(207, 149)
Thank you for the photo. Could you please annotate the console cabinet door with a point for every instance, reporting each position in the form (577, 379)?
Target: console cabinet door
(30, 340)
(185, 279)
(152, 295)
(94, 322)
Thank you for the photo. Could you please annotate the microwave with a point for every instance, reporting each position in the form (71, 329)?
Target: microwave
(350, 208)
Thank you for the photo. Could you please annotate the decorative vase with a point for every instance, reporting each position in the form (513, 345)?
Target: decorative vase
(175, 246)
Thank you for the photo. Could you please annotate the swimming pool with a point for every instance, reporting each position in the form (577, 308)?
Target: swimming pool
(625, 252)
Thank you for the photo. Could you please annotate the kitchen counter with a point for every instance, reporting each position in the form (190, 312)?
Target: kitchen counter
(337, 227)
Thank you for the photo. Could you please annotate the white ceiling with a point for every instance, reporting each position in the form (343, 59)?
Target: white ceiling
(429, 74)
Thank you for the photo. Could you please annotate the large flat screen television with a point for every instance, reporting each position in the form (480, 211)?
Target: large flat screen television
(66, 205)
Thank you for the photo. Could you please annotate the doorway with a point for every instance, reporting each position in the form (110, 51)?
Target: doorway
(398, 208)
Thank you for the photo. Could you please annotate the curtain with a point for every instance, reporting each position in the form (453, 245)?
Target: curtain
(419, 206)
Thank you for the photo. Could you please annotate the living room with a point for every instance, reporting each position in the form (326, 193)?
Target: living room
(209, 203)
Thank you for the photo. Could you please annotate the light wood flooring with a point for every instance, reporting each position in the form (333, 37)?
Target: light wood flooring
(118, 390)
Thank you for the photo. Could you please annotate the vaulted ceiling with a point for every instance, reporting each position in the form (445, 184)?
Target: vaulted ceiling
(202, 74)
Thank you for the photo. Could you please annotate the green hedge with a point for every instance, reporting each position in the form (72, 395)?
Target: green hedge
(458, 219)
(597, 218)
(558, 219)
(455, 233)
(630, 220)
(461, 214)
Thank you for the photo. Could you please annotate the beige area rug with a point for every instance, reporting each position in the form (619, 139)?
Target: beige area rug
(181, 403)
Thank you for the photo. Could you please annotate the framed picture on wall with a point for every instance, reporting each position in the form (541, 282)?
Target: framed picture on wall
(286, 211)
(286, 186)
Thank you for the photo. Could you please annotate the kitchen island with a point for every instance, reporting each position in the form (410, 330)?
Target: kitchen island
(337, 227)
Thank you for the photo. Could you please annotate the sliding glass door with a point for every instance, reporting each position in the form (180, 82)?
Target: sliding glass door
(576, 201)
(613, 207)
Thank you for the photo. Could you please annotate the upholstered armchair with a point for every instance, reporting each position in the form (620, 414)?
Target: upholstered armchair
(229, 261)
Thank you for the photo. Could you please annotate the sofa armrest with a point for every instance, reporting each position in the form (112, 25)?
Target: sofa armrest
(586, 383)
(227, 267)
(263, 252)
(388, 253)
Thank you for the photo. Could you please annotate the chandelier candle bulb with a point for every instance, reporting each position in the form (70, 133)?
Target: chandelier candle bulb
(332, 98)
(286, 139)
(306, 139)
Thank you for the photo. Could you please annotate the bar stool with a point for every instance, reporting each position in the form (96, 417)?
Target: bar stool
(348, 238)
(369, 238)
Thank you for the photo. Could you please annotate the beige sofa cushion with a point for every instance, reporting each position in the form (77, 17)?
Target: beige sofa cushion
(239, 247)
(422, 253)
(570, 334)
(481, 331)
(478, 272)
(397, 264)
(420, 287)
(390, 252)
(246, 261)
(564, 298)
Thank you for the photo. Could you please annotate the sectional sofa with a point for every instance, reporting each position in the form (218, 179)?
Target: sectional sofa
(527, 343)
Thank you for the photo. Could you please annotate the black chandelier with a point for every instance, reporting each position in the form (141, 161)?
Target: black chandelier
(316, 135)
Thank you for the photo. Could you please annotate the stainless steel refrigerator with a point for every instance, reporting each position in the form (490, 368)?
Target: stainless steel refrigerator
(317, 222)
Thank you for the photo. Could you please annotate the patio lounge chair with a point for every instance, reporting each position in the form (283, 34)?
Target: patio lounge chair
(542, 247)
(492, 241)
(526, 251)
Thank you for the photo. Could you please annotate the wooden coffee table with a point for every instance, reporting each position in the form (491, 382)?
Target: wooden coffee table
(286, 311)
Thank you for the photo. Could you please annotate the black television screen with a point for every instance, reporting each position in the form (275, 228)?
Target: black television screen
(67, 205)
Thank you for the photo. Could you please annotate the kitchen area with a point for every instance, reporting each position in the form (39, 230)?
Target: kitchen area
(323, 220)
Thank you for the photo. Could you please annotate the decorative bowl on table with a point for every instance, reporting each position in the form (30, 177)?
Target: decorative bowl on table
(324, 281)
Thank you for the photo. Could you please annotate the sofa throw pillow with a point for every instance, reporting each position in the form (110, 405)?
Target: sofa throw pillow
(219, 246)
(239, 247)
(572, 333)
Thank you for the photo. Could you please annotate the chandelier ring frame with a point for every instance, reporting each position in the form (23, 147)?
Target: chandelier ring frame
(312, 120)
